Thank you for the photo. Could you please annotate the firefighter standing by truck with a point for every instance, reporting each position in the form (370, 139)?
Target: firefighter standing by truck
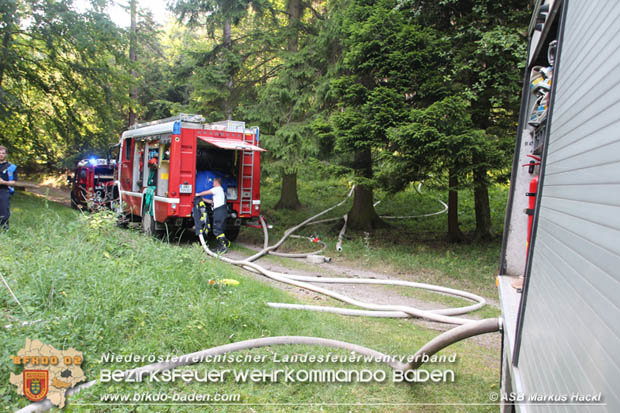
(220, 213)
(8, 176)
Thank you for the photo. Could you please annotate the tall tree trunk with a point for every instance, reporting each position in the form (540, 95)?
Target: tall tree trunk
(362, 215)
(133, 57)
(294, 14)
(6, 42)
(288, 196)
(228, 104)
(481, 182)
(481, 202)
(9, 20)
(454, 232)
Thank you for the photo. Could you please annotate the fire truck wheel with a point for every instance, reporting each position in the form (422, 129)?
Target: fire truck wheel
(232, 232)
(149, 225)
(74, 204)
(122, 221)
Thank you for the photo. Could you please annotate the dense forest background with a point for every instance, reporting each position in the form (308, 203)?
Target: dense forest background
(388, 92)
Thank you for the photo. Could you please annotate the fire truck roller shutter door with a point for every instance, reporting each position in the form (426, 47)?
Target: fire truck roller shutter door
(231, 144)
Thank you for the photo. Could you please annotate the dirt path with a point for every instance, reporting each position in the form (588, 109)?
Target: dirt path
(375, 294)
(62, 196)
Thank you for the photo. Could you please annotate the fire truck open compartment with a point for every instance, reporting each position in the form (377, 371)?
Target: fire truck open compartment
(214, 162)
(212, 158)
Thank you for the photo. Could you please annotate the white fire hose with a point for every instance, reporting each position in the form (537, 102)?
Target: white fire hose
(443, 210)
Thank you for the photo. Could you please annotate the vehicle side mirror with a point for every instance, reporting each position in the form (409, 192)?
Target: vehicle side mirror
(69, 179)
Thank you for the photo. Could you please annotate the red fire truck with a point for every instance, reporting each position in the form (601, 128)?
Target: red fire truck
(92, 183)
(159, 162)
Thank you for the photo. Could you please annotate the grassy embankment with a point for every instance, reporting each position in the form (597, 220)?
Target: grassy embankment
(101, 289)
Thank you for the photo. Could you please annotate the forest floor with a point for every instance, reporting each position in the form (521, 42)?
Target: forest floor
(53, 188)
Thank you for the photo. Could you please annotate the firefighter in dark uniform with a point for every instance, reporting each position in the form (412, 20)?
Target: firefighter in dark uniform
(219, 213)
(8, 176)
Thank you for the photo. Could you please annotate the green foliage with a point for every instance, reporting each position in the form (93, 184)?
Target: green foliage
(383, 47)
(456, 66)
(62, 81)
(487, 55)
(437, 138)
(291, 145)
(162, 73)
(214, 13)
(158, 94)
(226, 56)
(286, 105)
(337, 81)
(388, 66)
(101, 223)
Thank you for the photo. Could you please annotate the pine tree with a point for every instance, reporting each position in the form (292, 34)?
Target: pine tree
(488, 47)
(388, 65)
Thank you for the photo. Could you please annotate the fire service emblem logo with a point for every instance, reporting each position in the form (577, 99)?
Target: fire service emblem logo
(48, 372)
(35, 384)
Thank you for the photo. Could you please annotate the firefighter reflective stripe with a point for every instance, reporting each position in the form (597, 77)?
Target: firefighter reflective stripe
(223, 240)
(200, 213)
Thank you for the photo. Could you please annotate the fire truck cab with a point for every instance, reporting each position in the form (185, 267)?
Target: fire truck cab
(159, 161)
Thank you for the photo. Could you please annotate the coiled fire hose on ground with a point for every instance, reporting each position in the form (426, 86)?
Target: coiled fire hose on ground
(466, 327)
(443, 210)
